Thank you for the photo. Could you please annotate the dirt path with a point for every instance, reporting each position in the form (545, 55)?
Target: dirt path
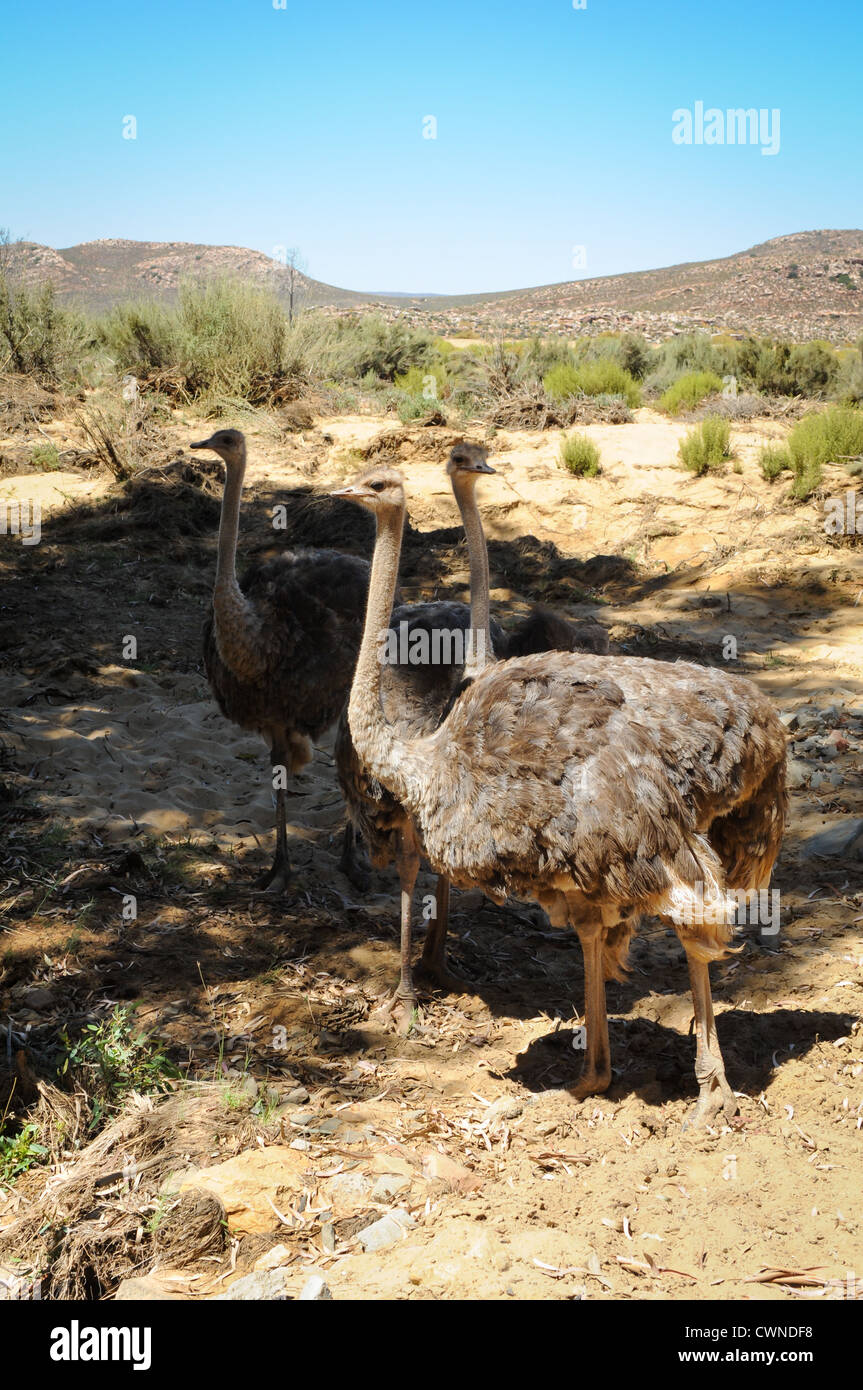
(543, 1198)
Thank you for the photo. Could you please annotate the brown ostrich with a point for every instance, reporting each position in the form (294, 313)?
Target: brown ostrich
(281, 644)
(602, 787)
(415, 699)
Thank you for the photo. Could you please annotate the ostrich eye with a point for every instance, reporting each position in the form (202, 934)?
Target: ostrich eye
(376, 487)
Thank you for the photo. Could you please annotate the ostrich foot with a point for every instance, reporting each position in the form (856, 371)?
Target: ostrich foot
(590, 1083)
(714, 1097)
(439, 972)
(402, 1011)
(277, 878)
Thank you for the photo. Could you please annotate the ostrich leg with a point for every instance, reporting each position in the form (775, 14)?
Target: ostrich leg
(596, 1075)
(433, 962)
(714, 1094)
(277, 877)
(354, 861)
(403, 1005)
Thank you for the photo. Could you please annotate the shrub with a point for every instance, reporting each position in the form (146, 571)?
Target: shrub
(708, 446)
(37, 338)
(580, 455)
(773, 460)
(832, 435)
(45, 458)
(689, 391)
(599, 378)
(110, 1059)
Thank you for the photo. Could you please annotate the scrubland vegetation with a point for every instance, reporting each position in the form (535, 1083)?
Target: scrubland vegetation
(229, 348)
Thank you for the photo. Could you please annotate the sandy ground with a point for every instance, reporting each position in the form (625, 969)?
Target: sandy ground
(607, 1198)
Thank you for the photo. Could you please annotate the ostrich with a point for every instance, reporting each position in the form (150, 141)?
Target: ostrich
(602, 787)
(280, 646)
(415, 699)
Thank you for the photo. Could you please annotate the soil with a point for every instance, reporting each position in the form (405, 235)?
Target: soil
(119, 777)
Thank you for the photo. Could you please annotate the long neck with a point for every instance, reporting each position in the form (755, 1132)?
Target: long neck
(480, 651)
(238, 630)
(374, 739)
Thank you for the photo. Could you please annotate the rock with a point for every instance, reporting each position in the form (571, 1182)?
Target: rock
(386, 1231)
(789, 718)
(388, 1186)
(260, 1286)
(798, 773)
(328, 1237)
(38, 998)
(349, 1190)
(273, 1259)
(844, 839)
(314, 1289)
(507, 1108)
(147, 1288)
(298, 1096)
(455, 1175)
(250, 1184)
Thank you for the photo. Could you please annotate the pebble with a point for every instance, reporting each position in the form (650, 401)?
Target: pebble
(38, 998)
(842, 839)
(273, 1259)
(264, 1285)
(314, 1289)
(507, 1108)
(388, 1186)
(347, 1186)
(386, 1231)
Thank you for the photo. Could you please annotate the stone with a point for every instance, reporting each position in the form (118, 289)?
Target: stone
(260, 1286)
(348, 1190)
(389, 1186)
(147, 1288)
(38, 998)
(798, 773)
(273, 1259)
(842, 840)
(386, 1231)
(437, 1166)
(314, 1290)
(507, 1108)
(250, 1184)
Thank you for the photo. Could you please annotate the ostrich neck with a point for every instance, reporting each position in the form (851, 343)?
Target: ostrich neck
(238, 631)
(374, 739)
(481, 651)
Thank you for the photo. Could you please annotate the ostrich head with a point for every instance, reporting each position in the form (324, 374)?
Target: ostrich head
(379, 490)
(468, 458)
(230, 445)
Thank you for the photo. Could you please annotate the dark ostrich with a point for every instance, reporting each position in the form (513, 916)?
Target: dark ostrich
(280, 645)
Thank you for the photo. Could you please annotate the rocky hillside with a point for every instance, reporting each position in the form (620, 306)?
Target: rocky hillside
(807, 285)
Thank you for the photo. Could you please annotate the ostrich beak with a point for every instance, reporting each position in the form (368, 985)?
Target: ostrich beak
(483, 467)
(201, 444)
(353, 492)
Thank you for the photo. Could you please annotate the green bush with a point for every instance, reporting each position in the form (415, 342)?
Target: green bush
(690, 352)
(707, 446)
(602, 377)
(774, 460)
(689, 391)
(45, 458)
(580, 455)
(111, 1058)
(834, 435)
(37, 338)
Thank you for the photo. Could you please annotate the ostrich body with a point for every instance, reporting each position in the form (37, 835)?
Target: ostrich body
(415, 699)
(280, 645)
(602, 787)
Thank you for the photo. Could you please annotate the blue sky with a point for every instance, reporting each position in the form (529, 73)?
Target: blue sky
(303, 126)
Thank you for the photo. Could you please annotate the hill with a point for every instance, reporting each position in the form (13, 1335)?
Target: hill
(805, 285)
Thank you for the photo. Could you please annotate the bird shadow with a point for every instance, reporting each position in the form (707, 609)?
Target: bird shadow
(657, 1063)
